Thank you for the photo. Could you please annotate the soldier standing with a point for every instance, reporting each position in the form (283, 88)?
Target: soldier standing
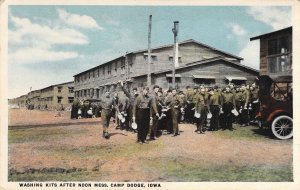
(202, 108)
(190, 105)
(122, 107)
(75, 107)
(174, 102)
(228, 103)
(244, 103)
(254, 102)
(154, 114)
(215, 105)
(141, 113)
(107, 104)
(132, 97)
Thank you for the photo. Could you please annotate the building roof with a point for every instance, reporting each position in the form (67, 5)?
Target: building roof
(160, 47)
(288, 29)
(201, 62)
(57, 85)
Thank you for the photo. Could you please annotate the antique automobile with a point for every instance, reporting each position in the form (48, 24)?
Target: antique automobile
(276, 106)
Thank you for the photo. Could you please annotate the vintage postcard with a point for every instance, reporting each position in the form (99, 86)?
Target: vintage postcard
(144, 95)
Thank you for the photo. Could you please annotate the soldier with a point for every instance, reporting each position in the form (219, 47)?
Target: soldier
(239, 104)
(174, 102)
(244, 103)
(155, 114)
(189, 115)
(141, 112)
(228, 103)
(183, 106)
(202, 108)
(194, 101)
(107, 104)
(75, 107)
(215, 105)
(168, 120)
(122, 107)
(132, 97)
(254, 102)
(161, 112)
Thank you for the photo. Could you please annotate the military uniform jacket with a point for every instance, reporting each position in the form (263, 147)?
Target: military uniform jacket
(202, 102)
(239, 96)
(123, 103)
(107, 103)
(154, 104)
(245, 96)
(174, 102)
(189, 96)
(194, 100)
(228, 98)
(254, 94)
(143, 102)
(131, 97)
(215, 99)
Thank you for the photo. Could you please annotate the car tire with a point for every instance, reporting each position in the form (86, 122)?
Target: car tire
(282, 127)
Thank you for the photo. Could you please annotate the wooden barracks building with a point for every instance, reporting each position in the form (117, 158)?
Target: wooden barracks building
(51, 97)
(198, 64)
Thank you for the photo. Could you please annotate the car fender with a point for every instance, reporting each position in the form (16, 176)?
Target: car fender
(276, 113)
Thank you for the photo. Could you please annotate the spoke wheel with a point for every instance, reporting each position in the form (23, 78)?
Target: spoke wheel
(282, 127)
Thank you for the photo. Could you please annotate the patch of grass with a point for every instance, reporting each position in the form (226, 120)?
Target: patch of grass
(187, 170)
(41, 134)
(101, 151)
(248, 133)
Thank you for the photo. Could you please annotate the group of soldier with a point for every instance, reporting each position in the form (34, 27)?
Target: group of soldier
(158, 110)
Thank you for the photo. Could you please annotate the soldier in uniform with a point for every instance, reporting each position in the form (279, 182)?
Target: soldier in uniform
(215, 105)
(254, 92)
(194, 101)
(122, 107)
(228, 103)
(168, 120)
(142, 112)
(174, 102)
(75, 107)
(132, 97)
(154, 114)
(107, 104)
(244, 104)
(201, 107)
(189, 115)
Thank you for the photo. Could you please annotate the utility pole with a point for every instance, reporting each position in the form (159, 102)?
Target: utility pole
(149, 52)
(175, 53)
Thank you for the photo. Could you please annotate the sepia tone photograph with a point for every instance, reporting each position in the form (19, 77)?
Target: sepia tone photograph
(149, 93)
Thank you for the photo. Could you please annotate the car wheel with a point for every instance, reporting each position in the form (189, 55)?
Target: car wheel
(282, 127)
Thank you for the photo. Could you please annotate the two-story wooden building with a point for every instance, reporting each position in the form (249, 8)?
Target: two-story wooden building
(198, 64)
(51, 97)
(276, 52)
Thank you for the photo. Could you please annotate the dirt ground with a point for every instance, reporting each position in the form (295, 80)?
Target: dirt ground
(78, 152)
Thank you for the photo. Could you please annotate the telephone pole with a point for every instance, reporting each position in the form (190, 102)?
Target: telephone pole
(149, 52)
(175, 53)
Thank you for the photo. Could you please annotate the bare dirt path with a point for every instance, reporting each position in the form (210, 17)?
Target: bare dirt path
(188, 157)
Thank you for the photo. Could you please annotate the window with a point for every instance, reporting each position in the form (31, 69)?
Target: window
(59, 89)
(122, 64)
(98, 72)
(109, 69)
(93, 74)
(98, 93)
(116, 66)
(59, 98)
(103, 70)
(89, 75)
(84, 92)
(70, 100)
(279, 57)
(71, 89)
(171, 59)
(153, 57)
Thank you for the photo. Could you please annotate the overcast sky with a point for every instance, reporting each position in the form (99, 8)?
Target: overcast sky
(50, 44)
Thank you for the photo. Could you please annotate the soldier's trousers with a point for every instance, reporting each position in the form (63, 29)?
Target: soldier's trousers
(142, 121)
(201, 122)
(153, 127)
(244, 116)
(254, 111)
(174, 115)
(227, 107)
(189, 113)
(105, 117)
(214, 121)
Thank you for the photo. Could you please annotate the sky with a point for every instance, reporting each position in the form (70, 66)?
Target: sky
(50, 44)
